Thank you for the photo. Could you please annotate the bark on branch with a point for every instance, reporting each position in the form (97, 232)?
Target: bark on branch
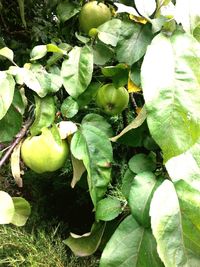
(19, 137)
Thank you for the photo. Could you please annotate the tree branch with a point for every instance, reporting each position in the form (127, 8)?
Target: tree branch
(19, 137)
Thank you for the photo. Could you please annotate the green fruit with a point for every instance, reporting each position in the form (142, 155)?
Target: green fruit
(93, 32)
(112, 100)
(44, 153)
(92, 15)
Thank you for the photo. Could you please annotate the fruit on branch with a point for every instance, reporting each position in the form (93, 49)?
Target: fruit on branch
(92, 15)
(46, 152)
(112, 100)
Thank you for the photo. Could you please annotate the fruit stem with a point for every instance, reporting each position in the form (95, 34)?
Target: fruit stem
(19, 137)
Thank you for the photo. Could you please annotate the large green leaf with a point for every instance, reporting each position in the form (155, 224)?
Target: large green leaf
(109, 32)
(44, 114)
(7, 85)
(176, 225)
(77, 70)
(92, 146)
(141, 192)
(86, 244)
(171, 88)
(186, 166)
(133, 42)
(130, 246)
(142, 163)
(99, 122)
(188, 14)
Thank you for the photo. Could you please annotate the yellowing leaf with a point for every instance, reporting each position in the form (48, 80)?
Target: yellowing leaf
(137, 122)
(15, 165)
(132, 87)
(138, 19)
(78, 170)
(138, 109)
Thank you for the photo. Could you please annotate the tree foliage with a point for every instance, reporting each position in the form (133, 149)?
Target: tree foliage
(141, 166)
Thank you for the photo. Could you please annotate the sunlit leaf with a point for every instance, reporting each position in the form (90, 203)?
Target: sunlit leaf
(171, 88)
(22, 211)
(77, 70)
(130, 246)
(6, 208)
(174, 212)
(7, 85)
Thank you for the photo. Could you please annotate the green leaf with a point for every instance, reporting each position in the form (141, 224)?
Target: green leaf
(109, 32)
(127, 181)
(102, 53)
(7, 85)
(175, 223)
(22, 211)
(137, 122)
(141, 193)
(44, 114)
(186, 167)
(66, 10)
(88, 243)
(7, 52)
(108, 209)
(21, 9)
(134, 40)
(49, 82)
(18, 101)
(69, 107)
(99, 122)
(10, 125)
(92, 146)
(119, 74)
(145, 8)
(55, 49)
(38, 52)
(77, 70)
(110, 71)
(142, 163)
(6, 208)
(171, 88)
(188, 14)
(196, 33)
(87, 96)
(130, 246)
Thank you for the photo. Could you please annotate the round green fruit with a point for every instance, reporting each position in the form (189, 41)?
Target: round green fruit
(112, 100)
(92, 15)
(44, 153)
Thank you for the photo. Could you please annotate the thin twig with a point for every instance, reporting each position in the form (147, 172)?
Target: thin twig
(133, 102)
(20, 135)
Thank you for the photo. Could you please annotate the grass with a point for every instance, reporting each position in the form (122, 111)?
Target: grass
(40, 242)
(35, 249)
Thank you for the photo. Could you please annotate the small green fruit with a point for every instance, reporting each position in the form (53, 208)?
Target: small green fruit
(93, 32)
(92, 15)
(112, 100)
(44, 153)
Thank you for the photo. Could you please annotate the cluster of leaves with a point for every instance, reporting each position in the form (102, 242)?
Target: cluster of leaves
(153, 45)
